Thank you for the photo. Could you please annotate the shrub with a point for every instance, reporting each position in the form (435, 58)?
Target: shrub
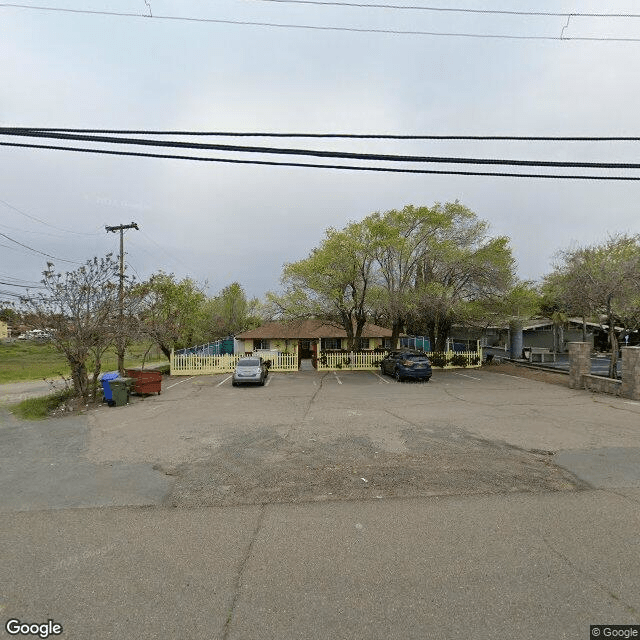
(458, 360)
(438, 359)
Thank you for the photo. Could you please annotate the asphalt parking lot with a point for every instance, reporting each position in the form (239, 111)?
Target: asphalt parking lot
(348, 434)
(479, 504)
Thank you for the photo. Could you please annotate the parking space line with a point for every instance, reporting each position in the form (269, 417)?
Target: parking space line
(338, 379)
(268, 381)
(466, 376)
(377, 375)
(181, 381)
(221, 383)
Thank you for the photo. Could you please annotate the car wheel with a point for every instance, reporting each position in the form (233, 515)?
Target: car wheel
(234, 383)
(397, 375)
(262, 382)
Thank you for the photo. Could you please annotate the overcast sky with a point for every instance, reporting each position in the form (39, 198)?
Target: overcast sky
(222, 223)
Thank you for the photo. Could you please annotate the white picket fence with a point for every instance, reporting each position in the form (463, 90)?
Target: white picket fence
(359, 360)
(193, 365)
(367, 360)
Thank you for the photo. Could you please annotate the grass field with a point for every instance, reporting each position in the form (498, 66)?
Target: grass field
(27, 360)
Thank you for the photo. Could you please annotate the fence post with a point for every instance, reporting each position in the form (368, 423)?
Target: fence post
(579, 363)
(630, 373)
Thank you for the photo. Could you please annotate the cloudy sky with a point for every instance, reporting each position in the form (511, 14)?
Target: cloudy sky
(232, 222)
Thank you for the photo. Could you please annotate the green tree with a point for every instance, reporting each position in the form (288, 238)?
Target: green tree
(601, 281)
(230, 312)
(172, 313)
(462, 274)
(399, 241)
(9, 314)
(332, 284)
(79, 310)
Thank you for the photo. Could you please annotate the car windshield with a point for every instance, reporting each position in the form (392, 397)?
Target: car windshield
(250, 362)
(414, 356)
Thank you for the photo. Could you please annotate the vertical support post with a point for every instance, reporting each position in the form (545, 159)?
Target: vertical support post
(515, 339)
(121, 338)
(630, 373)
(579, 363)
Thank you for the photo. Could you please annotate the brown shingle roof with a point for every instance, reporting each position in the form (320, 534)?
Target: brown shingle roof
(308, 329)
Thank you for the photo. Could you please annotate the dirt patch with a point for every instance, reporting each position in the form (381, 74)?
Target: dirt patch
(561, 379)
(262, 466)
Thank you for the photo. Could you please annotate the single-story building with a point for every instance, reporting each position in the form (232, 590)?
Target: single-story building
(541, 332)
(307, 337)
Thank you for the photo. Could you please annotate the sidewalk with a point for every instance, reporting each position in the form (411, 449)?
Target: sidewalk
(524, 566)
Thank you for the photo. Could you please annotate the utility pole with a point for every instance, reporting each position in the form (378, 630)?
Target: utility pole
(120, 341)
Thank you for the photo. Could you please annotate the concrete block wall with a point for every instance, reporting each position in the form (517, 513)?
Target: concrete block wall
(631, 373)
(580, 372)
(579, 363)
(602, 385)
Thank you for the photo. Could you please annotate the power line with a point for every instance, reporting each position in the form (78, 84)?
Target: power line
(23, 286)
(42, 253)
(344, 155)
(356, 136)
(281, 25)
(53, 226)
(402, 7)
(139, 154)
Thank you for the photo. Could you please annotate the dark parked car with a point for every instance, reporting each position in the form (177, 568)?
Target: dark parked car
(407, 364)
(250, 370)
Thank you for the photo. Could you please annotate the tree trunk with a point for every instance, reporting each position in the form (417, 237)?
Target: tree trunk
(441, 331)
(166, 350)
(613, 341)
(347, 323)
(80, 380)
(94, 381)
(584, 328)
(431, 332)
(613, 363)
(395, 333)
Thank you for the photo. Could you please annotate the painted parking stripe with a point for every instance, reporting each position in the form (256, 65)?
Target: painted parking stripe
(221, 383)
(268, 381)
(181, 381)
(338, 379)
(508, 375)
(466, 376)
(377, 375)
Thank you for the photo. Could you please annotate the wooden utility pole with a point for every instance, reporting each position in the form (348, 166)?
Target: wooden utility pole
(120, 341)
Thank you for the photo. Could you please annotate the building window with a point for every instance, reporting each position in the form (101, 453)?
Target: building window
(386, 343)
(330, 343)
(362, 343)
(260, 344)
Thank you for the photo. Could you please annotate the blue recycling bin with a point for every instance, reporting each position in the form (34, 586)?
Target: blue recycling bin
(106, 377)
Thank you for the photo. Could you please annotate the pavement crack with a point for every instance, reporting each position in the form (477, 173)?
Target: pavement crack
(622, 495)
(630, 608)
(226, 630)
(308, 409)
(395, 415)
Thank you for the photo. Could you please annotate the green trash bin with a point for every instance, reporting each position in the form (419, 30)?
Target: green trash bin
(120, 390)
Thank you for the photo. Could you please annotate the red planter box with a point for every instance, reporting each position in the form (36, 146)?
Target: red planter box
(145, 381)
